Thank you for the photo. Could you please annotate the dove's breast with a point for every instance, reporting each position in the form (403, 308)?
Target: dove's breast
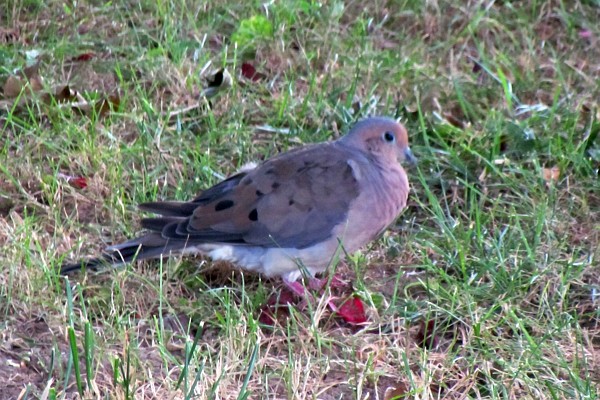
(383, 195)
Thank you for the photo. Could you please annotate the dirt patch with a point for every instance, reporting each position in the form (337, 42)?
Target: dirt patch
(25, 355)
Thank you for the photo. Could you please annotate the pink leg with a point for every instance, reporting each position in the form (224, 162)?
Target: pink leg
(296, 287)
(351, 311)
(315, 284)
(318, 284)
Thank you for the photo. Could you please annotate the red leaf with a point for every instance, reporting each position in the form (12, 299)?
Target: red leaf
(267, 316)
(276, 308)
(353, 311)
(84, 57)
(78, 182)
(428, 335)
(249, 72)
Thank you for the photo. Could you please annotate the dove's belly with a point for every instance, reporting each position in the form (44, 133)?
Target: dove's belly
(275, 261)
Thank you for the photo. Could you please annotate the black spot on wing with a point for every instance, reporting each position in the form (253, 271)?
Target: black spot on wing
(259, 193)
(275, 185)
(307, 165)
(223, 205)
(253, 216)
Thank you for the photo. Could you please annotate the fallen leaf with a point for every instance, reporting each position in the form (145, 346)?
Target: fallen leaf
(249, 72)
(400, 391)
(267, 317)
(454, 121)
(100, 108)
(104, 106)
(36, 83)
(427, 336)
(217, 82)
(353, 311)
(276, 308)
(31, 70)
(83, 29)
(12, 87)
(65, 95)
(84, 57)
(217, 79)
(78, 182)
(551, 175)
(482, 176)
(26, 79)
(6, 204)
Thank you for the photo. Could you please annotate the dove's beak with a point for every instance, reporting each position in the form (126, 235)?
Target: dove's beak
(410, 157)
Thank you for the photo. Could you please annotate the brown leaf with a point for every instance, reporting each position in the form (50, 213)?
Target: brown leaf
(551, 175)
(400, 391)
(217, 82)
(217, 79)
(387, 44)
(100, 108)
(454, 121)
(62, 95)
(65, 95)
(104, 106)
(31, 70)
(24, 80)
(36, 83)
(427, 336)
(83, 28)
(12, 87)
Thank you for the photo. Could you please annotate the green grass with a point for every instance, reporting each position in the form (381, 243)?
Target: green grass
(487, 287)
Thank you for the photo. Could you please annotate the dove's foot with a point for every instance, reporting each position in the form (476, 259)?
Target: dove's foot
(316, 285)
(340, 300)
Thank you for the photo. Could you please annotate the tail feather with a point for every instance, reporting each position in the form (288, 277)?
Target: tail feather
(158, 224)
(152, 245)
(156, 243)
(92, 264)
(169, 208)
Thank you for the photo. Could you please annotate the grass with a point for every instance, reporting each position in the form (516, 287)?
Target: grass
(487, 287)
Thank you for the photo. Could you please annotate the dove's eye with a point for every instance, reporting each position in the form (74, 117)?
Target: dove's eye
(389, 137)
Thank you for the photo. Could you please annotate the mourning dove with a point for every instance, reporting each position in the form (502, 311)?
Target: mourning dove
(291, 212)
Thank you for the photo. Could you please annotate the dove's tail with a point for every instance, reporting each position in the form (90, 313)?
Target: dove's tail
(92, 264)
(152, 245)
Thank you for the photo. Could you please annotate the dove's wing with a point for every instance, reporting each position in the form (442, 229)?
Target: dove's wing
(294, 200)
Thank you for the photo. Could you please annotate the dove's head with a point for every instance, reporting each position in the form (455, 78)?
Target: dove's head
(382, 137)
